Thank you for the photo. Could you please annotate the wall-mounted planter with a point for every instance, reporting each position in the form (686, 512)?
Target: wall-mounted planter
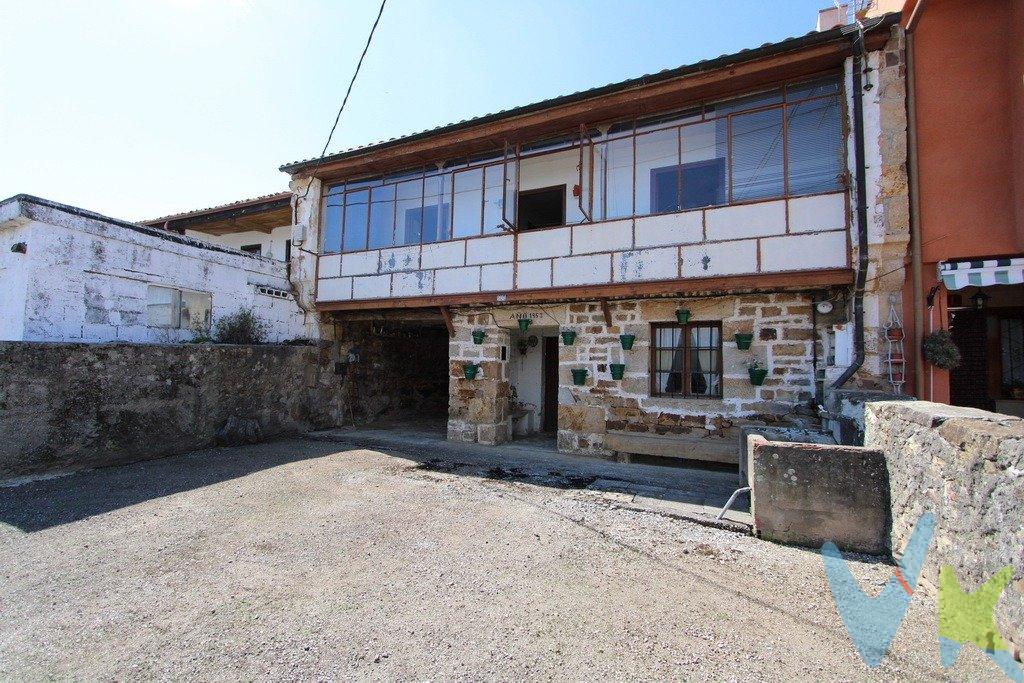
(524, 324)
(470, 370)
(618, 369)
(682, 316)
(627, 341)
(743, 341)
(579, 376)
(478, 336)
(757, 376)
(568, 337)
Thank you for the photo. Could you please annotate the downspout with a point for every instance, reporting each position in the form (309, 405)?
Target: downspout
(915, 219)
(862, 211)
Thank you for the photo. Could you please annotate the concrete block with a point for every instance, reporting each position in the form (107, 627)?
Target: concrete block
(746, 220)
(646, 264)
(610, 236)
(330, 265)
(536, 244)
(533, 274)
(416, 283)
(816, 213)
(722, 258)
(496, 277)
(674, 228)
(360, 263)
(803, 252)
(497, 249)
(457, 280)
(400, 259)
(582, 270)
(334, 289)
(371, 286)
(443, 255)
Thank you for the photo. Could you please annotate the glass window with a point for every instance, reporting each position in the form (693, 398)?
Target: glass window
(615, 163)
(436, 207)
(687, 360)
(762, 99)
(494, 198)
(814, 139)
(468, 203)
(705, 179)
(409, 215)
(162, 306)
(382, 216)
(332, 220)
(757, 155)
(196, 311)
(657, 172)
(816, 88)
(357, 209)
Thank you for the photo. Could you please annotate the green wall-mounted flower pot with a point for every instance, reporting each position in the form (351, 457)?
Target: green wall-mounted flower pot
(568, 337)
(579, 376)
(470, 370)
(757, 376)
(618, 369)
(524, 324)
(627, 341)
(682, 316)
(743, 341)
(478, 336)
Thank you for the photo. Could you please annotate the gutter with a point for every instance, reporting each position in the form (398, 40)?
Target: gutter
(862, 212)
(915, 215)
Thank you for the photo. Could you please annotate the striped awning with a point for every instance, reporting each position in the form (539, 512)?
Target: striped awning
(1002, 271)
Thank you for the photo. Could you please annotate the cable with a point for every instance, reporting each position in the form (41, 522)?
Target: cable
(344, 101)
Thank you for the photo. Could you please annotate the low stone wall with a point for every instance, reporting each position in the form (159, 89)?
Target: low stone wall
(966, 467)
(846, 411)
(71, 406)
(806, 494)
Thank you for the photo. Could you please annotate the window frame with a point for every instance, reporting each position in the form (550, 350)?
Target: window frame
(551, 189)
(685, 329)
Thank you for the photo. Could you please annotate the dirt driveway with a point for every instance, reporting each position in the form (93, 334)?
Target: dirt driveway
(310, 560)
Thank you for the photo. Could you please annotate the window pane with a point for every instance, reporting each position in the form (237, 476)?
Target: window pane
(162, 306)
(616, 166)
(815, 146)
(409, 217)
(669, 337)
(467, 204)
(657, 172)
(382, 216)
(743, 103)
(494, 198)
(356, 213)
(705, 181)
(436, 207)
(757, 155)
(332, 220)
(817, 88)
(195, 311)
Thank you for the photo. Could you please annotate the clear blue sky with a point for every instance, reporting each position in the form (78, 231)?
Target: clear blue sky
(137, 109)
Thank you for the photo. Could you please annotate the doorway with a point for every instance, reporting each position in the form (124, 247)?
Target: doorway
(549, 410)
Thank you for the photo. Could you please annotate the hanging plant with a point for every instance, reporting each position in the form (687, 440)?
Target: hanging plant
(470, 370)
(478, 336)
(618, 370)
(940, 351)
(682, 316)
(757, 372)
(627, 341)
(524, 324)
(743, 340)
(579, 376)
(568, 337)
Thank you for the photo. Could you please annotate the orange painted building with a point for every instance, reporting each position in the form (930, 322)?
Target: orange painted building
(966, 90)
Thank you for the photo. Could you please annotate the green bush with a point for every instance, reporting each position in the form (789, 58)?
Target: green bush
(940, 351)
(241, 327)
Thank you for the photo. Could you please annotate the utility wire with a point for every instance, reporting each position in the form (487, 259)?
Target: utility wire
(344, 101)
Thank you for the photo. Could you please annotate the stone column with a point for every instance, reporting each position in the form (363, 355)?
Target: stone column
(478, 409)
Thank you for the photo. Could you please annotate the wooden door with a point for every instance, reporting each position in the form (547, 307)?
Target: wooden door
(550, 396)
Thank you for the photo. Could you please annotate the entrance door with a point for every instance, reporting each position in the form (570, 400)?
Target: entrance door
(550, 400)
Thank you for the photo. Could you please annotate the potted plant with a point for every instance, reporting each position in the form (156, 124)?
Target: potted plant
(940, 351)
(478, 336)
(470, 370)
(627, 341)
(618, 369)
(757, 372)
(568, 337)
(682, 316)
(524, 324)
(579, 376)
(743, 340)
(894, 333)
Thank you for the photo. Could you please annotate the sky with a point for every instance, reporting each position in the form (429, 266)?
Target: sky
(139, 109)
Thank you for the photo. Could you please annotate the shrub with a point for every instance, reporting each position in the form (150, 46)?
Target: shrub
(241, 327)
(940, 351)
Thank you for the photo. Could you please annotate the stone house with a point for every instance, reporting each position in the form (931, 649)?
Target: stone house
(608, 264)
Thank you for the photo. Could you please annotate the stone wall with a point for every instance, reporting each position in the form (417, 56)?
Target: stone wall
(966, 467)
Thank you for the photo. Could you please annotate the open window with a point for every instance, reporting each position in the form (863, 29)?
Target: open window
(541, 208)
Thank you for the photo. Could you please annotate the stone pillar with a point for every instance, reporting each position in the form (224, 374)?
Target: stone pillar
(478, 409)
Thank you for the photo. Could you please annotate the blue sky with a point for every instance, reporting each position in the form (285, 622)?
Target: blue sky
(139, 109)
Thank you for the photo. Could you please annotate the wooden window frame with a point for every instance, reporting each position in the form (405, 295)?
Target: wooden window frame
(685, 328)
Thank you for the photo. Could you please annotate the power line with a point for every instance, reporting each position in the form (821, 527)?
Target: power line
(344, 101)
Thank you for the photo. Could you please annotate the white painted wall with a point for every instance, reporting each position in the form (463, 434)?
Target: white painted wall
(526, 372)
(272, 243)
(85, 278)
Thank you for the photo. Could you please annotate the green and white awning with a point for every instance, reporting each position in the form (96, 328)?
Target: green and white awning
(1002, 271)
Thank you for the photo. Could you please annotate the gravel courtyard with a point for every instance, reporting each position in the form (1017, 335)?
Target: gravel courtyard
(304, 559)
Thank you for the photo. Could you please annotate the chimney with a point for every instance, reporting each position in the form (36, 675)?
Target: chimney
(830, 17)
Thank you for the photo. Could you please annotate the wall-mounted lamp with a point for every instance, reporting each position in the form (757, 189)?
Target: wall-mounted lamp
(979, 300)
(19, 248)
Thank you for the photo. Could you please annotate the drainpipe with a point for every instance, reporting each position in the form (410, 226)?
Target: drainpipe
(915, 218)
(862, 211)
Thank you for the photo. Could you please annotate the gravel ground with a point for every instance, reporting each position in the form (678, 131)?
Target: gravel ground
(309, 560)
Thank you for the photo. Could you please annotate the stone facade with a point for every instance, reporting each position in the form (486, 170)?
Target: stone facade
(784, 341)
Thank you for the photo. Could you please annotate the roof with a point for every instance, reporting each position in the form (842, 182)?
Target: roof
(241, 203)
(261, 213)
(768, 49)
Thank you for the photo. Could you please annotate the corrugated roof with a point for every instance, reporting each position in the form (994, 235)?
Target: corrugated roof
(219, 208)
(765, 50)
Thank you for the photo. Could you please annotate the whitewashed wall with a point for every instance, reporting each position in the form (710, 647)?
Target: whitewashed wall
(806, 233)
(272, 243)
(85, 277)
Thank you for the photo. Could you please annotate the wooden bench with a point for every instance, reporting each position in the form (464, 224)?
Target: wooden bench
(681, 446)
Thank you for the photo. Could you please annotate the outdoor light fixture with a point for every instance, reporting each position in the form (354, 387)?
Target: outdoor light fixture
(979, 300)
(19, 248)
(824, 307)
